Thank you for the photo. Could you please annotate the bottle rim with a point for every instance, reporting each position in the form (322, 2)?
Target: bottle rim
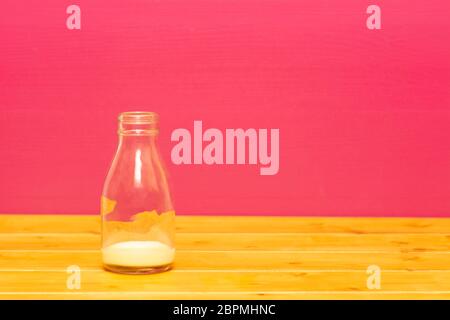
(138, 123)
(139, 117)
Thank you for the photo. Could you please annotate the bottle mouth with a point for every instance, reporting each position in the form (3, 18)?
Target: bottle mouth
(139, 117)
(138, 123)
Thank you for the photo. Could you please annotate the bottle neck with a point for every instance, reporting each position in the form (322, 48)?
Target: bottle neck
(138, 141)
(138, 132)
(138, 129)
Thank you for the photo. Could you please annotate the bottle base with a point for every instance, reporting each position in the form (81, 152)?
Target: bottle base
(137, 270)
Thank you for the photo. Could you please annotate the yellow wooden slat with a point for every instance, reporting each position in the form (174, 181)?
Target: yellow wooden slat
(197, 281)
(219, 295)
(311, 224)
(91, 224)
(18, 223)
(246, 241)
(237, 261)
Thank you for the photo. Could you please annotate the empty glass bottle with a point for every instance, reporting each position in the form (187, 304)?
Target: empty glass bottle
(137, 213)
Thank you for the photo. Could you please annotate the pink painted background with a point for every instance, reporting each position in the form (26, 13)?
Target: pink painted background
(364, 116)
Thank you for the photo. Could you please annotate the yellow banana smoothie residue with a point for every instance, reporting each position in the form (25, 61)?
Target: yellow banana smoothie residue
(138, 254)
(143, 241)
(107, 205)
(142, 226)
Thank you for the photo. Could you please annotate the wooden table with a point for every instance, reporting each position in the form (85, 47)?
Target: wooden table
(234, 258)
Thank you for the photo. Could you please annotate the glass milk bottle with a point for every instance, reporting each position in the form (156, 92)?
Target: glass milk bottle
(137, 213)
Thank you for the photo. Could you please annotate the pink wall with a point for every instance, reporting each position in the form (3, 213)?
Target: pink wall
(364, 115)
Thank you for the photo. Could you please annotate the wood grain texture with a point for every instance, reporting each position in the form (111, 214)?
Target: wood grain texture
(234, 258)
